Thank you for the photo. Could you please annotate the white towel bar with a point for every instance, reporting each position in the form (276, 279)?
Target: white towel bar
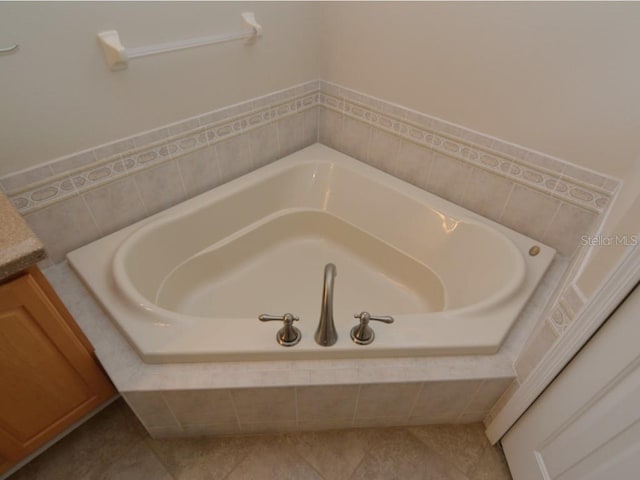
(117, 56)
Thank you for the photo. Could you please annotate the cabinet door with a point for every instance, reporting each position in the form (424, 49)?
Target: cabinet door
(49, 379)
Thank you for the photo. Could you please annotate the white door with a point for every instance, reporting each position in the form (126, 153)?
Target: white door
(586, 425)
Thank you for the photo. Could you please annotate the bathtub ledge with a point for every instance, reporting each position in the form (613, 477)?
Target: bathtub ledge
(129, 373)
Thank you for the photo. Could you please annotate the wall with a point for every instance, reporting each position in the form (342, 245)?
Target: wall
(560, 78)
(623, 222)
(58, 97)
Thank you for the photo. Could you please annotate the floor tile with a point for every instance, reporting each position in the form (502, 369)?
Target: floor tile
(86, 450)
(273, 458)
(208, 458)
(335, 455)
(492, 466)
(136, 463)
(397, 454)
(461, 445)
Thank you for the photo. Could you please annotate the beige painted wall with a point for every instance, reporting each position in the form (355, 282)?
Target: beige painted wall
(58, 97)
(622, 223)
(561, 78)
(557, 77)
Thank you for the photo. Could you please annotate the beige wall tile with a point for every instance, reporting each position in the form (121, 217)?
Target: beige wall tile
(115, 205)
(265, 147)
(199, 170)
(486, 193)
(16, 181)
(529, 212)
(330, 128)
(330, 402)
(72, 162)
(201, 407)
(234, 157)
(160, 187)
(383, 150)
(114, 148)
(568, 226)
(152, 136)
(381, 422)
(573, 299)
(535, 349)
(573, 172)
(488, 394)
(448, 177)
(471, 417)
(291, 132)
(386, 400)
(426, 418)
(413, 163)
(326, 424)
(152, 410)
(184, 126)
(63, 227)
(269, 427)
(444, 397)
(355, 138)
(229, 428)
(263, 405)
(311, 126)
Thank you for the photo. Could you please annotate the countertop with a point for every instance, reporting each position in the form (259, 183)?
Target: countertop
(19, 247)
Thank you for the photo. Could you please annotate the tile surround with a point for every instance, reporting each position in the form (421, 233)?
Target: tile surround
(553, 201)
(70, 176)
(563, 200)
(298, 408)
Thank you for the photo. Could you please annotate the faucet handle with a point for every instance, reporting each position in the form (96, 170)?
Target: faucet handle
(366, 316)
(363, 334)
(288, 335)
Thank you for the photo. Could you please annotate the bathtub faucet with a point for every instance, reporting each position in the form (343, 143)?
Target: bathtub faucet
(326, 334)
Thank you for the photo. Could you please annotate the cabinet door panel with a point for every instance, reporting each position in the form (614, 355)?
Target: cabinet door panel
(49, 379)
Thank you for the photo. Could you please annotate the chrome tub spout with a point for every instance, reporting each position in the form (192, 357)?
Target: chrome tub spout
(326, 334)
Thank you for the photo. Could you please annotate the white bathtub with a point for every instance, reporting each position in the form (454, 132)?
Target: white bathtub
(189, 283)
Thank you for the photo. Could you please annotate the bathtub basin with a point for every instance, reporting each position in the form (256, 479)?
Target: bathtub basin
(188, 284)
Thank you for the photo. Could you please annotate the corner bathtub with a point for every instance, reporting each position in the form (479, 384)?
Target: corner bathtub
(188, 284)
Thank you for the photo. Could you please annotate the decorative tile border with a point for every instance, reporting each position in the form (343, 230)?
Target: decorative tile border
(152, 148)
(567, 307)
(550, 177)
(560, 318)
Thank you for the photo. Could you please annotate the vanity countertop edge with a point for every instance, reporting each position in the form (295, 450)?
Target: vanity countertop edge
(19, 246)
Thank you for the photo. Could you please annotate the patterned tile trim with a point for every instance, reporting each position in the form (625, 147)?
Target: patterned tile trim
(231, 121)
(591, 197)
(512, 162)
(560, 318)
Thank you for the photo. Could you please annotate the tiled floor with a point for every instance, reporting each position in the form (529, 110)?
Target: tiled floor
(113, 445)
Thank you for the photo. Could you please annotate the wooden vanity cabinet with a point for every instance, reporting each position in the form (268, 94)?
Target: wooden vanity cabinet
(49, 375)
